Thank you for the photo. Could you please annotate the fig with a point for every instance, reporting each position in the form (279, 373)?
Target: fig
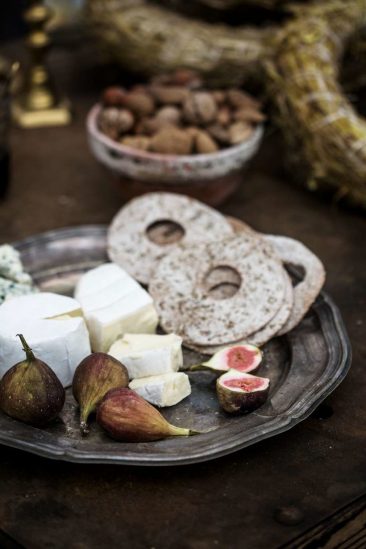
(30, 391)
(241, 392)
(97, 374)
(128, 417)
(243, 358)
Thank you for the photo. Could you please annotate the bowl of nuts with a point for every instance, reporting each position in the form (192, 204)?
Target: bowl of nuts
(174, 135)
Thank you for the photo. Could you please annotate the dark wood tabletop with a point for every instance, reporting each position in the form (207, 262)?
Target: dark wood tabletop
(261, 497)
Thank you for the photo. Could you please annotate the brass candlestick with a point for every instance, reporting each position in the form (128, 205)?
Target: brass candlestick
(39, 105)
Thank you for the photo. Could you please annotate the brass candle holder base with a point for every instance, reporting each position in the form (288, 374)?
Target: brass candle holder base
(39, 104)
(59, 115)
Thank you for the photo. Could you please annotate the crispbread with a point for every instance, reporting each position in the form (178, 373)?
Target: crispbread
(263, 335)
(185, 307)
(293, 252)
(129, 245)
(305, 292)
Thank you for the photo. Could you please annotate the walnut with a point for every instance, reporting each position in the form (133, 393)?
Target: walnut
(114, 121)
(199, 108)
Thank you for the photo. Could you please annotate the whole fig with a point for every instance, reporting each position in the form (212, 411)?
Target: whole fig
(97, 374)
(129, 418)
(30, 391)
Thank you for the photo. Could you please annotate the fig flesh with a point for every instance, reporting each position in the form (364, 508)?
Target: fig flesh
(30, 391)
(241, 392)
(97, 374)
(128, 417)
(243, 358)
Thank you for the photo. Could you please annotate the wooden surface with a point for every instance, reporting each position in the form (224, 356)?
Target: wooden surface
(260, 497)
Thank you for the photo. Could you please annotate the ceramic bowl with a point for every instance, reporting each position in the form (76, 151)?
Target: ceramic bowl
(208, 177)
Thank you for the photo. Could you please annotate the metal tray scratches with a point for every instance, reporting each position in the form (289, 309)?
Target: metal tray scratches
(304, 367)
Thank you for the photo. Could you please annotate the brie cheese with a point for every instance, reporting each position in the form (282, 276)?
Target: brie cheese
(53, 327)
(163, 390)
(113, 303)
(148, 355)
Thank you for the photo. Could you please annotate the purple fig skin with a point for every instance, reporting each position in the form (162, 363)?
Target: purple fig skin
(31, 392)
(97, 374)
(234, 402)
(128, 417)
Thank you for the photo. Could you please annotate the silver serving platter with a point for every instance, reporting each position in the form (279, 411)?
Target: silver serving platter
(304, 367)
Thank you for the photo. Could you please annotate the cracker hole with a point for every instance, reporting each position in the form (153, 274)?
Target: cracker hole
(222, 282)
(164, 232)
(297, 273)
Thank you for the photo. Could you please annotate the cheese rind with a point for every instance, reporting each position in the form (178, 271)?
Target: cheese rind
(113, 303)
(163, 390)
(149, 355)
(53, 327)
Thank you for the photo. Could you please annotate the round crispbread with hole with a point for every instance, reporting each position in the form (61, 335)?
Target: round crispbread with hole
(263, 335)
(185, 305)
(293, 252)
(151, 226)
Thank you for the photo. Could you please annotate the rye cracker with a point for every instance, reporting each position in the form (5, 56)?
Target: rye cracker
(186, 307)
(151, 226)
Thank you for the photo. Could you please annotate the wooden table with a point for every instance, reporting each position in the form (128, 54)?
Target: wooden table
(261, 497)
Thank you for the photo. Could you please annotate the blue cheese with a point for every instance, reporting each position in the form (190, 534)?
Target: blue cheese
(9, 289)
(11, 266)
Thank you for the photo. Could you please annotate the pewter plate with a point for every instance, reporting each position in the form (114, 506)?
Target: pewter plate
(304, 367)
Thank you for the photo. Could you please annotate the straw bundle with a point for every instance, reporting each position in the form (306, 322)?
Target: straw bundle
(151, 39)
(325, 134)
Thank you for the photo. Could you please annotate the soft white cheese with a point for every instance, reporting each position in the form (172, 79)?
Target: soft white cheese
(163, 390)
(113, 303)
(148, 355)
(53, 327)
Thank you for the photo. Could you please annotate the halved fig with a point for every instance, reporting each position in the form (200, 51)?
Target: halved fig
(243, 358)
(241, 392)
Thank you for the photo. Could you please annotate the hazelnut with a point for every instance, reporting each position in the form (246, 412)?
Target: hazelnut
(114, 121)
(204, 143)
(139, 103)
(113, 96)
(172, 141)
(140, 142)
(240, 131)
(240, 99)
(169, 114)
(199, 108)
(173, 95)
(186, 77)
(249, 115)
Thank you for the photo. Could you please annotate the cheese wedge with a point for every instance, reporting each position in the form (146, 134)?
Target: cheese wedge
(148, 355)
(163, 390)
(113, 303)
(53, 327)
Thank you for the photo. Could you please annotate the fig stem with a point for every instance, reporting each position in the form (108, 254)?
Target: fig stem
(196, 367)
(182, 432)
(28, 351)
